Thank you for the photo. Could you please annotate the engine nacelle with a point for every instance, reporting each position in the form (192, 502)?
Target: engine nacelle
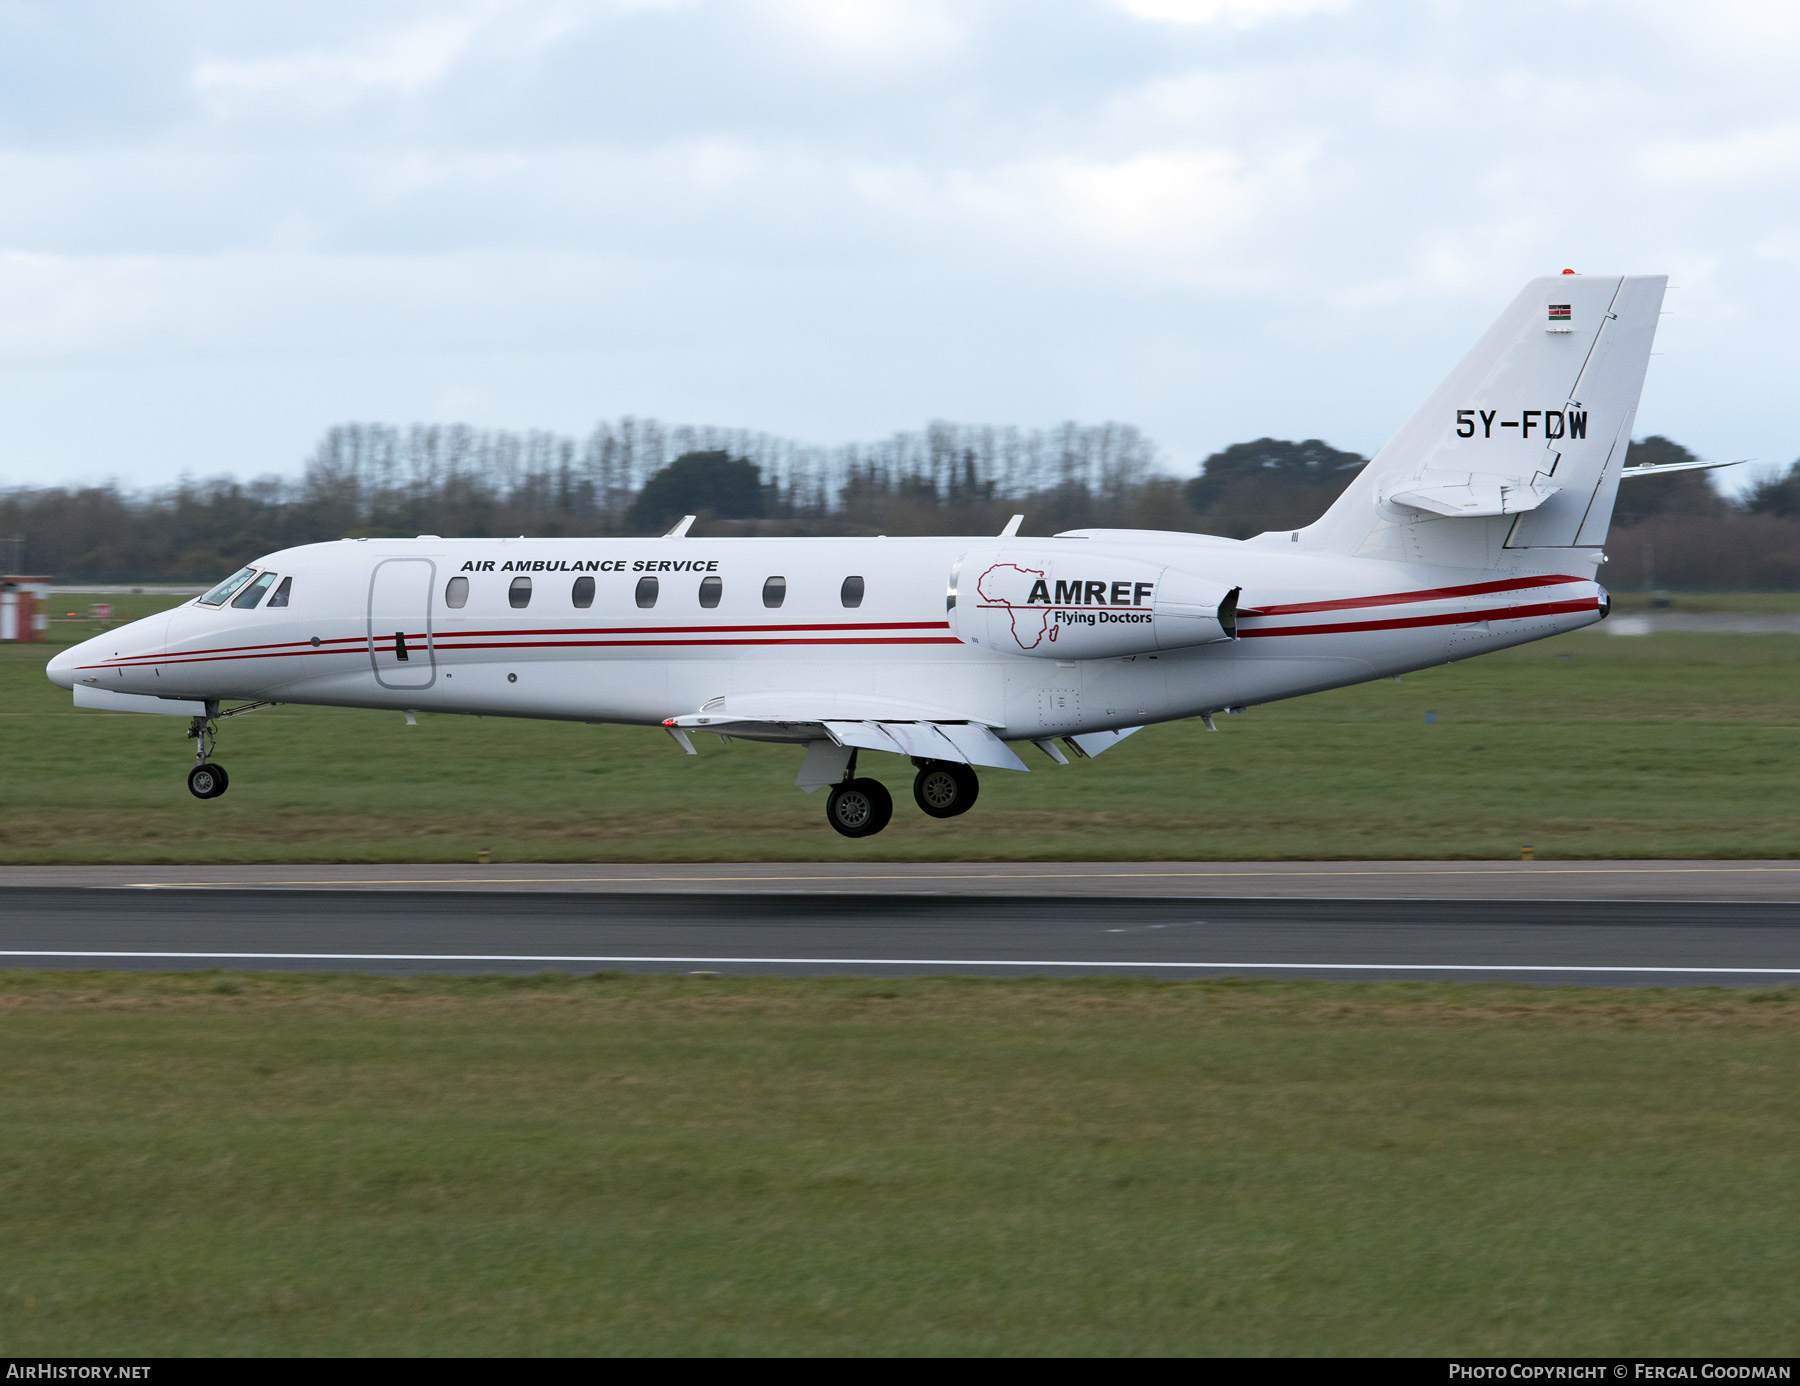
(1083, 606)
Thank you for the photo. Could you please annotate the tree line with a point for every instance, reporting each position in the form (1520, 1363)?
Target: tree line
(635, 476)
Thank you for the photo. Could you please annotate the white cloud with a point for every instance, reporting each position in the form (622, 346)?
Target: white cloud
(1094, 211)
(1735, 37)
(1192, 217)
(1745, 158)
(399, 60)
(56, 308)
(402, 59)
(1241, 14)
(873, 33)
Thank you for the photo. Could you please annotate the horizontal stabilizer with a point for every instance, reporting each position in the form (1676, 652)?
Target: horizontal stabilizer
(1663, 468)
(1471, 494)
(105, 700)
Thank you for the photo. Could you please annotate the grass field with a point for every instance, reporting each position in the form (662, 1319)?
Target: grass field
(1680, 745)
(241, 1164)
(1744, 603)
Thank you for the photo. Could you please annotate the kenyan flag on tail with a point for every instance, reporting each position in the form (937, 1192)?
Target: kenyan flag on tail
(1559, 318)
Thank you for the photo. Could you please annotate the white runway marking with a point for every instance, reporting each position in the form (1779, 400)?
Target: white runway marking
(765, 878)
(902, 962)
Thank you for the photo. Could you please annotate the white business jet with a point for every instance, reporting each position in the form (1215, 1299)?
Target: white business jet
(1477, 527)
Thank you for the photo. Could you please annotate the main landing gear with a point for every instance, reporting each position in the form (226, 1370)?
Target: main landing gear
(859, 808)
(862, 807)
(943, 788)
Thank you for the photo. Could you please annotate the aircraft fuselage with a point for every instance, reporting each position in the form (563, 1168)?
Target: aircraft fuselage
(370, 624)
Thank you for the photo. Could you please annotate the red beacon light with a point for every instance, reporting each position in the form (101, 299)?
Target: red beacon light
(1568, 271)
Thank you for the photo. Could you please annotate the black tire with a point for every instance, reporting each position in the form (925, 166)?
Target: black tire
(943, 789)
(859, 808)
(208, 781)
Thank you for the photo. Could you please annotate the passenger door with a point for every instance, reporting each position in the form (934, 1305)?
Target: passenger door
(400, 644)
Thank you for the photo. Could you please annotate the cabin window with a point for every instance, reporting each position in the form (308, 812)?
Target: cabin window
(711, 589)
(253, 594)
(583, 593)
(519, 593)
(227, 587)
(646, 592)
(852, 591)
(456, 593)
(775, 591)
(281, 594)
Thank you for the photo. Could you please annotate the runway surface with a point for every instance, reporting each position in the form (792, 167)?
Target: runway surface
(1776, 880)
(490, 929)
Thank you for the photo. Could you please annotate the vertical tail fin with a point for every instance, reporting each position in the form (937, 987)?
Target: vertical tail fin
(1515, 459)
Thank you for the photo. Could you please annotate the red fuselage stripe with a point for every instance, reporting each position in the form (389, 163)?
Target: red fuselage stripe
(1442, 618)
(362, 648)
(763, 628)
(358, 645)
(1430, 594)
(360, 642)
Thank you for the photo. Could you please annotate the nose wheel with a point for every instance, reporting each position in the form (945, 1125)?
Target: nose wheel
(208, 781)
(859, 808)
(943, 789)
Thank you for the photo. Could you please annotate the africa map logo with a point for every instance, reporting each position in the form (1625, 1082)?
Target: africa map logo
(1041, 614)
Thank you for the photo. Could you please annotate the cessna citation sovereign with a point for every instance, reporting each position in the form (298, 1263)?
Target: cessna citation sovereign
(1478, 526)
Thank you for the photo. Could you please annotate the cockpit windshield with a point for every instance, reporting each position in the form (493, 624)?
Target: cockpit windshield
(217, 596)
(253, 594)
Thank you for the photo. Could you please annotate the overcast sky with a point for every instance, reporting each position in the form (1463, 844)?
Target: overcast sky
(224, 227)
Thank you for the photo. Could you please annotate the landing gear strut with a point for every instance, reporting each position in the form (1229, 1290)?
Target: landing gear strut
(206, 780)
(943, 788)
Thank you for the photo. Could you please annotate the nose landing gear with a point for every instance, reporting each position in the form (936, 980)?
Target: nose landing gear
(206, 780)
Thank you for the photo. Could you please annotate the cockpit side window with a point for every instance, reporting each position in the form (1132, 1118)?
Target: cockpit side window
(253, 594)
(282, 593)
(217, 596)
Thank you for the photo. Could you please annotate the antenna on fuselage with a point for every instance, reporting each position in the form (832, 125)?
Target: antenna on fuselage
(1012, 527)
(680, 530)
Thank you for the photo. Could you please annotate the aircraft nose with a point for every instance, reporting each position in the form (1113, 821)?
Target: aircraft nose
(61, 669)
